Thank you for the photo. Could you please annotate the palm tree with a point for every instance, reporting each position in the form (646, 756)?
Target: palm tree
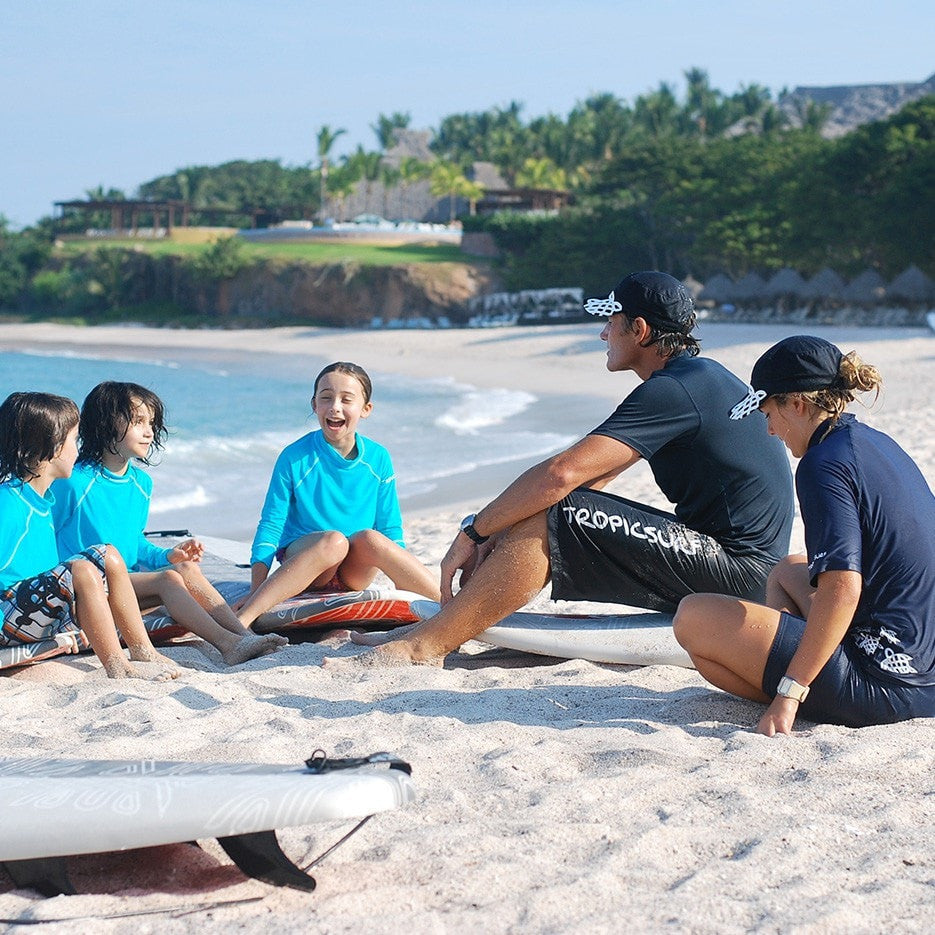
(447, 179)
(385, 127)
(542, 173)
(326, 139)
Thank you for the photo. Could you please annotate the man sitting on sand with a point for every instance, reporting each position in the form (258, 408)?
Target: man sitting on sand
(732, 493)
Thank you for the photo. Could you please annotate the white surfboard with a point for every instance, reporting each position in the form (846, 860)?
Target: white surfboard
(640, 639)
(637, 639)
(52, 808)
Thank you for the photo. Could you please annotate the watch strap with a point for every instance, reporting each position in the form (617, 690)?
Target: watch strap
(788, 687)
(467, 527)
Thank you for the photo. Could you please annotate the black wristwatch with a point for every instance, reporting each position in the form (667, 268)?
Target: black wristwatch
(467, 527)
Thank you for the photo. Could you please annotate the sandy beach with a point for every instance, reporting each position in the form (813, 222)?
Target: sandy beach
(553, 796)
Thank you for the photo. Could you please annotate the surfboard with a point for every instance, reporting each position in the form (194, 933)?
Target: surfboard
(52, 808)
(639, 639)
(224, 564)
(25, 653)
(930, 320)
(325, 609)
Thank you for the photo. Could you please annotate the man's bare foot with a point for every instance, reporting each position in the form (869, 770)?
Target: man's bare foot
(380, 637)
(391, 655)
(149, 654)
(252, 646)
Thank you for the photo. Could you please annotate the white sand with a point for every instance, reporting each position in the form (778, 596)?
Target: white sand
(553, 796)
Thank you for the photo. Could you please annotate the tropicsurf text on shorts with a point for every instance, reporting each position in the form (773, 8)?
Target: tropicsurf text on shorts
(598, 519)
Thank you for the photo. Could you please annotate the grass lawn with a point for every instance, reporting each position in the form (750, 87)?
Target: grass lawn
(364, 254)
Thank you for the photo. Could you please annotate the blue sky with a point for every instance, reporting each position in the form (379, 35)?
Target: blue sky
(116, 92)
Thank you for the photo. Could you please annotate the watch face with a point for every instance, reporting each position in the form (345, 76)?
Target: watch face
(789, 688)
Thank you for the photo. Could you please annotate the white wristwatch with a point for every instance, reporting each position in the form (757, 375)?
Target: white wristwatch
(789, 688)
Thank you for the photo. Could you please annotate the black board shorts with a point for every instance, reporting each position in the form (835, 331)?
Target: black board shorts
(843, 692)
(605, 548)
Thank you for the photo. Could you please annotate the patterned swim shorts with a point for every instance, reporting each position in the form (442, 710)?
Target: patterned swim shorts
(37, 608)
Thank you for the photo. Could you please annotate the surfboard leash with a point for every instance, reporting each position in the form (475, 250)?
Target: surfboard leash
(319, 762)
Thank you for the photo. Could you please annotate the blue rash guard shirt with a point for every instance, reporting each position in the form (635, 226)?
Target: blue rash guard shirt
(727, 479)
(867, 508)
(315, 489)
(96, 506)
(27, 535)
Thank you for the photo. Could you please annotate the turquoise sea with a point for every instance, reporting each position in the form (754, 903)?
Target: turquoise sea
(230, 414)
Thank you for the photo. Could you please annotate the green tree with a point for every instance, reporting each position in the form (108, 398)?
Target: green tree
(386, 126)
(447, 180)
(542, 173)
(325, 140)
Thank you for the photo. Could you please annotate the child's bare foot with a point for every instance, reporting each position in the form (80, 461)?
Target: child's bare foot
(149, 654)
(118, 667)
(252, 646)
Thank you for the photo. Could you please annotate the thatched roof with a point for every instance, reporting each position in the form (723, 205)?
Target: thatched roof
(718, 288)
(750, 287)
(487, 175)
(693, 286)
(825, 284)
(409, 144)
(868, 287)
(911, 285)
(785, 282)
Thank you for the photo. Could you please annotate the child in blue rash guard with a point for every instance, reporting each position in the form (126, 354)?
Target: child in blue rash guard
(106, 499)
(87, 597)
(849, 633)
(331, 514)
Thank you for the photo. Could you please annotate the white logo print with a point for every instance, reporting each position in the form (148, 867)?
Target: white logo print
(750, 403)
(885, 657)
(606, 307)
(677, 540)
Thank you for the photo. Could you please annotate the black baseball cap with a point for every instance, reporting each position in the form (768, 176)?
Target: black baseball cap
(658, 297)
(798, 364)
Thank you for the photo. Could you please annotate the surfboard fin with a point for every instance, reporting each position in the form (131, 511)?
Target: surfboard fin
(259, 856)
(48, 876)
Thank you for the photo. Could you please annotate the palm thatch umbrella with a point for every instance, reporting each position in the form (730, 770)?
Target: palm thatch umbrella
(911, 285)
(867, 289)
(693, 286)
(719, 288)
(787, 282)
(750, 288)
(825, 284)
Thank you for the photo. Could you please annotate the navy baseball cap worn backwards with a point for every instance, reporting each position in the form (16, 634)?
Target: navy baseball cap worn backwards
(798, 364)
(657, 297)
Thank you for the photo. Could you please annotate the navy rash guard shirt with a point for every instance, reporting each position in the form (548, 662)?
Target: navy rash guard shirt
(729, 480)
(867, 508)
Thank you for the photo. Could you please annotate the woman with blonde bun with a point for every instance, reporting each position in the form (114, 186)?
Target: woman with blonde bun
(849, 633)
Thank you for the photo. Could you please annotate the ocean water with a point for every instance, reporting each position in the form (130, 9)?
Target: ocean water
(230, 415)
